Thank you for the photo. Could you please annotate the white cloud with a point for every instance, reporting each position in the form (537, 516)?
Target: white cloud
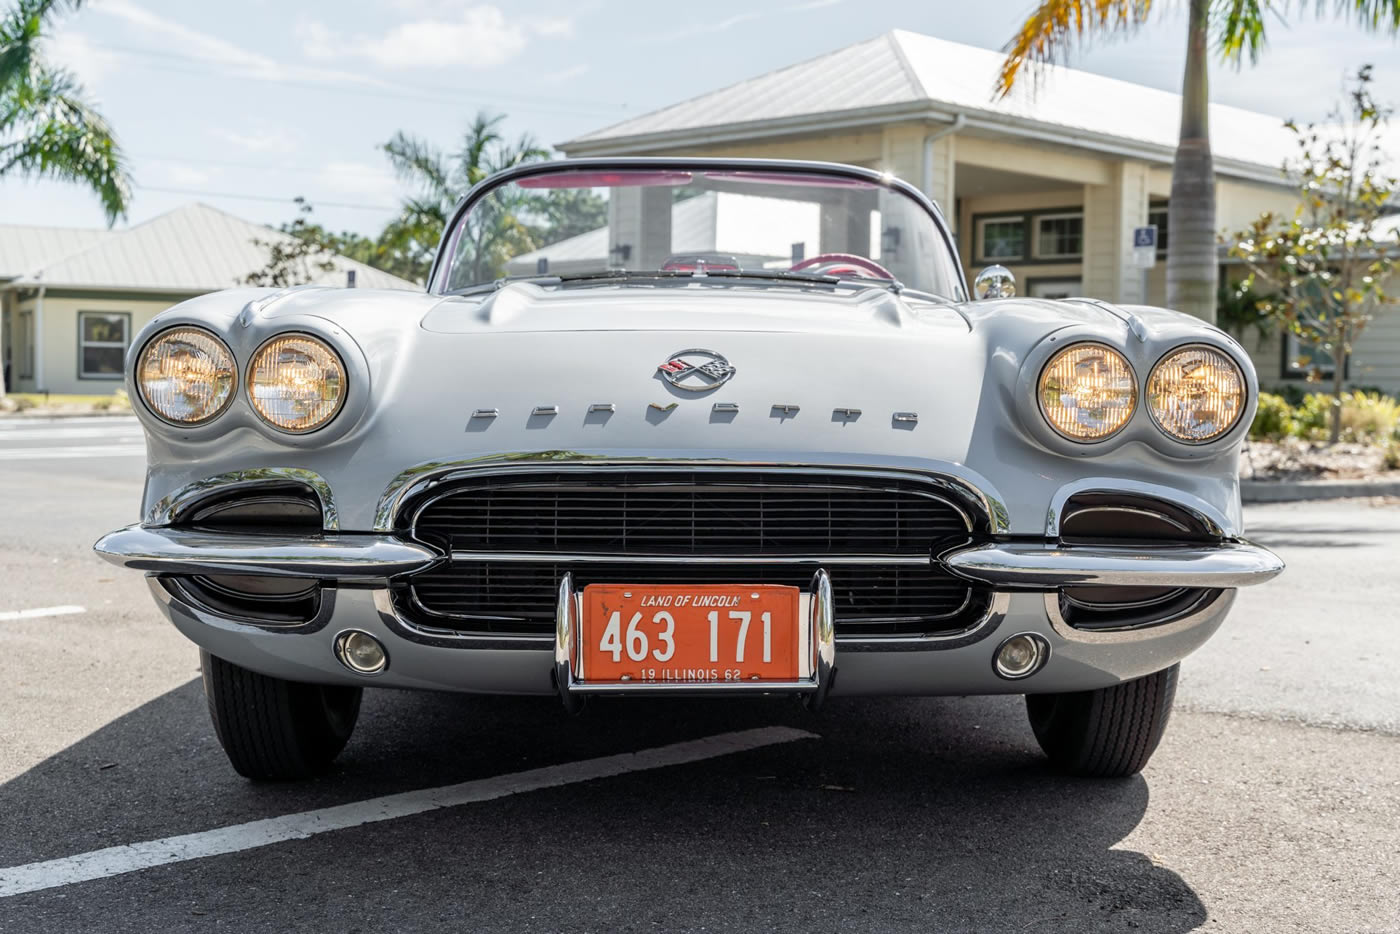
(810, 5)
(186, 176)
(565, 74)
(359, 178)
(75, 52)
(211, 49)
(258, 141)
(701, 27)
(474, 36)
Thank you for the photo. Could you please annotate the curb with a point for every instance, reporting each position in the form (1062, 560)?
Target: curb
(1289, 491)
(31, 414)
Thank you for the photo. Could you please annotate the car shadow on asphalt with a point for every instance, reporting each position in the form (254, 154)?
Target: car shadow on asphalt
(905, 814)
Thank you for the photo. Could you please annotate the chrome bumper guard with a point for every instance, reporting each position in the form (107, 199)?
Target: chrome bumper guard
(1031, 566)
(334, 556)
(816, 656)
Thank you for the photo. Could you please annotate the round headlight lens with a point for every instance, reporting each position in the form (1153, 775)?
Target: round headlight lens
(1196, 394)
(186, 376)
(296, 383)
(1087, 392)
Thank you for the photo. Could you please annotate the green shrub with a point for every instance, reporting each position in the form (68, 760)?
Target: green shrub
(1310, 417)
(1369, 417)
(1274, 420)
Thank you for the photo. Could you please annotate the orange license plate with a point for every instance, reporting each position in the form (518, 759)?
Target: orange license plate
(713, 634)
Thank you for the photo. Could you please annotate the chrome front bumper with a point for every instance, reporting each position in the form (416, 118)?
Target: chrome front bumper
(1002, 566)
(1025, 576)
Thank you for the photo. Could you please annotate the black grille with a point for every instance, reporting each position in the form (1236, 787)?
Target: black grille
(685, 513)
(690, 514)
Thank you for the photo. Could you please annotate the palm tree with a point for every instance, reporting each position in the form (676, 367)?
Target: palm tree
(48, 129)
(441, 180)
(1237, 27)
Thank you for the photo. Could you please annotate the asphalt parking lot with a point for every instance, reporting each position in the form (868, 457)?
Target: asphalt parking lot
(1273, 804)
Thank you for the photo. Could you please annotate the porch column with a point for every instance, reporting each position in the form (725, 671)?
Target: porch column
(1110, 213)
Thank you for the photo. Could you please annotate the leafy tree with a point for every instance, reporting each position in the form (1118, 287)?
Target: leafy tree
(442, 179)
(1237, 28)
(1330, 261)
(48, 128)
(295, 259)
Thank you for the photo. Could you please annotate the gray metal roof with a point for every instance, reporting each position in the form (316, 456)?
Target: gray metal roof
(905, 74)
(24, 248)
(194, 248)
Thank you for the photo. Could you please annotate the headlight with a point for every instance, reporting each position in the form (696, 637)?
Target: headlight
(296, 383)
(186, 376)
(1195, 394)
(1087, 392)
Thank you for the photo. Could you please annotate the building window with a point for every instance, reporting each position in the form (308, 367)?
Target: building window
(1001, 238)
(1157, 217)
(1059, 236)
(103, 337)
(1301, 360)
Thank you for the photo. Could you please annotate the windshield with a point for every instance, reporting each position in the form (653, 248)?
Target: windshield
(782, 226)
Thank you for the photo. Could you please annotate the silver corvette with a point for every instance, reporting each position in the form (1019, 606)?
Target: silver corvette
(697, 426)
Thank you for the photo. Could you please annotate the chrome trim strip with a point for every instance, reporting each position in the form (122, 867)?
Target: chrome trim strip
(486, 413)
(410, 482)
(997, 608)
(1209, 611)
(602, 407)
(171, 507)
(327, 557)
(527, 557)
(1211, 518)
(1037, 566)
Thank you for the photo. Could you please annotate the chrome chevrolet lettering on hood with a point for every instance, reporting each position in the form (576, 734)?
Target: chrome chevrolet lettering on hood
(696, 370)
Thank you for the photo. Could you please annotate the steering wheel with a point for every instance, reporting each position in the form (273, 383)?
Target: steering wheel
(841, 264)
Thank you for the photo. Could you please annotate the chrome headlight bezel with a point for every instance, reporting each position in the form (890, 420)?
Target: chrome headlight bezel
(1225, 432)
(1069, 348)
(138, 366)
(329, 348)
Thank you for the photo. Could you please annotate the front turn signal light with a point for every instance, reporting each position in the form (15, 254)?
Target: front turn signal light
(186, 376)
(1195, 394)
(1087, 392)
(296, 383)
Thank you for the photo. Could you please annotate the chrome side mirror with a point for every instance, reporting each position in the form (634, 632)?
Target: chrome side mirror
(994, 282)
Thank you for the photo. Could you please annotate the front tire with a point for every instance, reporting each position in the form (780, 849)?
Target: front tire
(1107, 733)
(273, 729)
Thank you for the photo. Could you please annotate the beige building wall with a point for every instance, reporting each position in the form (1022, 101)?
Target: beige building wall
(58, 351)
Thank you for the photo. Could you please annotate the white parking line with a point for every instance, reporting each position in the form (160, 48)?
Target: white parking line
(113, 861)
(41, 611)
(60, 453)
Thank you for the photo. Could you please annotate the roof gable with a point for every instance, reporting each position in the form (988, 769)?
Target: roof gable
(910, 73)
(192, 249)
(25, 248)
(868, 74)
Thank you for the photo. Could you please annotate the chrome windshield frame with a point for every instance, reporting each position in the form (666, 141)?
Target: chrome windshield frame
(594, 163)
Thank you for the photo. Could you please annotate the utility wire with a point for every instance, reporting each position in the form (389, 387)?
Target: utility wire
(314, 202)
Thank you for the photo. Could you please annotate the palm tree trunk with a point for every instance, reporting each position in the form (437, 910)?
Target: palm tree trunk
(1192, 271)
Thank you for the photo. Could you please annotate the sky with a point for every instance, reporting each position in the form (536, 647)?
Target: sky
(248, 105)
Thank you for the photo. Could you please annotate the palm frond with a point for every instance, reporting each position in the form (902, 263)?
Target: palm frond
(1055, 26)
(1240, 27)
(1372, 15)
(480, 136)
(62, 136)
(418, 162)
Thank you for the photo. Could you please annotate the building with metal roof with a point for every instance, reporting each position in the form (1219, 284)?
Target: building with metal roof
(1051, 181)
(71, 299)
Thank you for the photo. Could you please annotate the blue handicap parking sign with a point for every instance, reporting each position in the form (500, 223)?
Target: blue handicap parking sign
(1144, 236)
